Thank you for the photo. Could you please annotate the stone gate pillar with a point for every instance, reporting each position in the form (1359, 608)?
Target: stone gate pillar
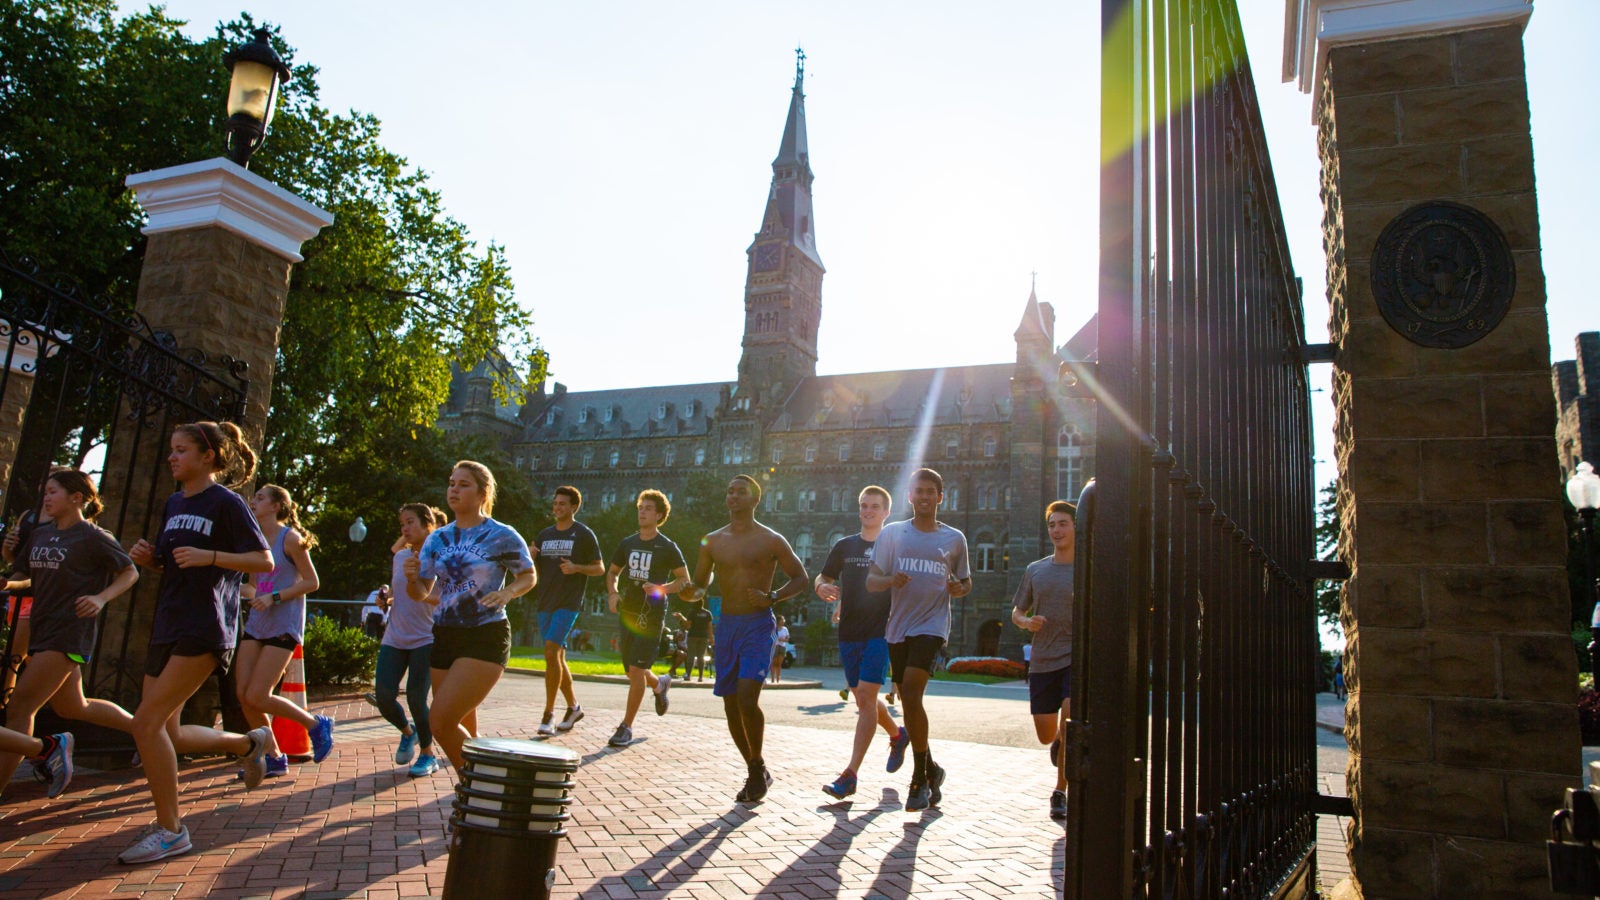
(1461, 718)
(216, 273)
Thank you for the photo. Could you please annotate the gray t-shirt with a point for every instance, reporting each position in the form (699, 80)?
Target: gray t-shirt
(64, 566)
(931, 558)
(410, 621)
(1046, 590)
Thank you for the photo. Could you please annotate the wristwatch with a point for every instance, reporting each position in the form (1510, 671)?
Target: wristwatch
(277, 597)
(772, 596)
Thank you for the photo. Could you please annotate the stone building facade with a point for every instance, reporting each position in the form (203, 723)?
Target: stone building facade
(1003, 436)
(1577, 387)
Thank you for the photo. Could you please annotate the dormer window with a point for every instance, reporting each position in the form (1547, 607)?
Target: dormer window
(689, 409)
(583, 416)
(661, 410)
(610, 413)
(549, 418)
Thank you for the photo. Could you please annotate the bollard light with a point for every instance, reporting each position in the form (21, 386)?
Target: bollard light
(358, 530)
(1584, 489)
(252, 94)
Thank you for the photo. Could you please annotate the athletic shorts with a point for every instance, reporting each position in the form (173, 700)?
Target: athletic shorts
(697, 647)
(744, 649)
(155, 659)
(917, 651)
(556, 624)
(281, 641)
(1048, 690)
(865, 661)
(640, 643)
(489, 642)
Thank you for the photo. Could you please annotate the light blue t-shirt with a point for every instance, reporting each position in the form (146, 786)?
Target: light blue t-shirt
(469, 563)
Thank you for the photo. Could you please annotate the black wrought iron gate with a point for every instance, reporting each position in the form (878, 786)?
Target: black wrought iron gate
(99, 385)
(1192, 755)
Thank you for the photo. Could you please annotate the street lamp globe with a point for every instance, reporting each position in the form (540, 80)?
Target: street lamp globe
(252, 93)
(1583, 489)
(358, 530)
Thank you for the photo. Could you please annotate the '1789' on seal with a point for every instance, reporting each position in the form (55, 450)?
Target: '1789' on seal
(1443, 275)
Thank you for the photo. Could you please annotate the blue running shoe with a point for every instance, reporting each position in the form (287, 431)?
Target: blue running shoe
(277, 766)
(407, 751)
(425, 765)
(842, 787)
(321, 738)
(58, 762)
(897, 750)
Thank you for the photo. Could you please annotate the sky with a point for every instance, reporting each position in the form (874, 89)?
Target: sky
(621, 153)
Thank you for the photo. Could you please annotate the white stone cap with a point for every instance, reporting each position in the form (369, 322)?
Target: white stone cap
(219, 192)
(1312, 27)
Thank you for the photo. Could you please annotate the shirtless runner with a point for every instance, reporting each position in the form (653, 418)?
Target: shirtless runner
(743, 556)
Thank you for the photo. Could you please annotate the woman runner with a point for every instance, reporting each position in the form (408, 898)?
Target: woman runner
(208, 540)
(470, 569)
(277, 624)
(75, 568)
(407, 647)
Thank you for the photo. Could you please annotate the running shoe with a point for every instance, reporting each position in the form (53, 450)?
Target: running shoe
(157, 843)
(59, 764)
(755, 786)
(662, 686)
(926, 793)
(545, 728)
(407, 751)
(897, 750)
(321, 733)
(255, 762)
(277, 766)
(844, 694)
(1058, 804)
(842, 787)
(1055, 753)
(426, 765)
(622, 737)
(41, 772)
(370, 697)
(935, 782)
(574, 714)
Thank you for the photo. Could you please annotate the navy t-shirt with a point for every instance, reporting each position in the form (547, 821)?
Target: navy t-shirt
(640, 560)
(556, 590)
(863, 614)
(202, 603)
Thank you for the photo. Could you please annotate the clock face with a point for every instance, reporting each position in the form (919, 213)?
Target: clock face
(767, 257)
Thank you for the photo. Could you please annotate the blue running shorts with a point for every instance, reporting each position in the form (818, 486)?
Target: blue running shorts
(865, 661)
(744, 649)
(555, 625)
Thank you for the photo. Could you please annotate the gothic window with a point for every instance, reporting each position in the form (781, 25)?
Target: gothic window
(984, 558)
(688, 409)
(533, 462)
(811, 453)
(699, 456)
(610, 412)
(669, 456)
(989, 447)
(834, 537)
(1006, 492)
(777, 454)
(616, 457)
(639, 458)
(879, 449)
(588, 458)
(951, 448)
(550, 418)
(521, 463)
(836, 500)
(802, 548)
(952, 498)
(1069, 462)
(661, 410)
(777, 501)
(844, 451)
(561, 460)
(583, 415)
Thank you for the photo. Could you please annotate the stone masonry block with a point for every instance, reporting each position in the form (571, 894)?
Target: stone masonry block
(1389, 66)
(1488, 468)
(1386, 470)
(1527, 532)
(1517, 215)
(1396, 660)
(1489, 54)
(1418, 407)
(1546, 735)
(1419, 533)
(1369, 120)
(1393, 727)
(1411, 173)
(1530, 799)
(1537, 667)
(1520, 343)
(1428, 797)
(1371, 348)
(1496, 598)
(1390, 862)
(1363, 222)
(1442, 115)
(1499, 165)
(1387, 596)
(1491, 870)
(1519, 405)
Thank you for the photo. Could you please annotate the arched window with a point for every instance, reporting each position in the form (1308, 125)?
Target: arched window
(879, 449)
(844, 451)
(811, 453)
(802, 547)
(561, 460)
(989, 446)
(588, 458)
(1069, 463)
(669, 456)
(699, 456)
(777, 454)
(952, 498)
(951, 448)
(616, 457)
(639, 458)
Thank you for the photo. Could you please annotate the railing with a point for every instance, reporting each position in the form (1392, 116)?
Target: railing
(1192, 753)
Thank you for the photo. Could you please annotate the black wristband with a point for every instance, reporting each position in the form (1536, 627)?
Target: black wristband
(276, 598)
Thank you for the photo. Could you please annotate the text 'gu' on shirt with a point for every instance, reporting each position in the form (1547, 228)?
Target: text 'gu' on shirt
(643, 561)
(65, 564)
(931, 559)
(556, 590)
(863, 614)
(468, 564)
(202, 602)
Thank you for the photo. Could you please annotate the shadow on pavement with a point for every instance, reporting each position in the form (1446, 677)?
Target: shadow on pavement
(897, 872)
(679, 860)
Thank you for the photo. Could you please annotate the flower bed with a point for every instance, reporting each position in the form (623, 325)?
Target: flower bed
(987, 665)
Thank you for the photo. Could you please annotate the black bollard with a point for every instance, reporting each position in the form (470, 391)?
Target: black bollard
(509, 816)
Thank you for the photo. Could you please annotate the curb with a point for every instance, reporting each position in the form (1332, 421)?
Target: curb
(676, 684)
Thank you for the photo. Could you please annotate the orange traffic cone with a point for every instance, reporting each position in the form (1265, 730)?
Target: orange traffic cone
(291, 735)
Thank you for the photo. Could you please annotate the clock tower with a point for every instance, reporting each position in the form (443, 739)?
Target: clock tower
(783, 282)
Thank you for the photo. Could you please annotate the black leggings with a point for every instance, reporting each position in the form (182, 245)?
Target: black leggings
(392, 663)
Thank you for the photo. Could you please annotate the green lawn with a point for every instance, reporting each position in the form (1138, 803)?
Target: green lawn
(579, 663)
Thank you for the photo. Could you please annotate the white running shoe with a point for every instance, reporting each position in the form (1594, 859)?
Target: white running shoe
(663, 684)
(255, 760)
(574, 713)
(157, 843)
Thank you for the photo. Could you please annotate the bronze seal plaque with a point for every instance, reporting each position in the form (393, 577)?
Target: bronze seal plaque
(1443, 275)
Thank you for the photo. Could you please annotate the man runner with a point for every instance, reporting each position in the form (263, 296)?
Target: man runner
(649, 558)
(743, 555)
(566, 554)
(1043, 605)
(862, 617)
(922, 562)
(699, 639)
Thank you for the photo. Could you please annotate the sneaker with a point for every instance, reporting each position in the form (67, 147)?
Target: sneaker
(58, 762)
(370, 697)
(255, 762)
(844, 694)
(545, 728)
(622, 737)
(321, 733)
(407, 751)
(573, 716)
(919, 795)
(662, 686)
(277, 766)
(897, 750)
(157, 843)
(1055, 753)
(1058, 804)
(842, 787)
(41, 772)
(935, 782)
(426, 765)
(755, 786)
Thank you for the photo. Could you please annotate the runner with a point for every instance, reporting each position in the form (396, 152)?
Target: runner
(1043, 606)
(568, 553)
(74, 569)
(923, 564)
(469, 569)
(743, 556)
(780, 646)
(407, 648)
(277, 624)
(699, 639)
(862, 616)
(648, 558)
(208, 541)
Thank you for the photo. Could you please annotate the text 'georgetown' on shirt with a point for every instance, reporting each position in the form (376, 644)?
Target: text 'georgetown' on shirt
(189, 522)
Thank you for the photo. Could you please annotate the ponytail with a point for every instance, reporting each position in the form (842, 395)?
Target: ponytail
(74, 482)
(232, 457)
(289, 514)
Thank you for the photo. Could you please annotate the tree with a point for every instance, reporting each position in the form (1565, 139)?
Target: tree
(386, 299)
(1327, 536)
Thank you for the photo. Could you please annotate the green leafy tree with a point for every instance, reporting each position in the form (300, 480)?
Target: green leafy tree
(1327, 536)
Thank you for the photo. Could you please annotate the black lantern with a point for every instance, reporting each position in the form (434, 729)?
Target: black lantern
(252, 94)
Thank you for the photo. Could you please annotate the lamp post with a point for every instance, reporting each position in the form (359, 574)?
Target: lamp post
(358, 531)
(1583, 489)
(257, 71)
